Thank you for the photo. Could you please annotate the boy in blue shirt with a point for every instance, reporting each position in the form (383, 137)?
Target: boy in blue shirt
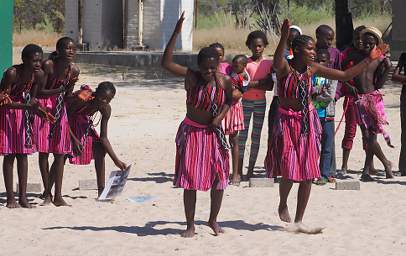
(323, 94)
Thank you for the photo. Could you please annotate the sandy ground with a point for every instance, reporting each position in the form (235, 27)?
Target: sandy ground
(146, 114)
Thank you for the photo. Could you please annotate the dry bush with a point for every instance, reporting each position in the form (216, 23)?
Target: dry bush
(233, 38)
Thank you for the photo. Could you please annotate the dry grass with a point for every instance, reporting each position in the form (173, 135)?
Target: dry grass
(42, 38)
(234, 39)
(47, 40)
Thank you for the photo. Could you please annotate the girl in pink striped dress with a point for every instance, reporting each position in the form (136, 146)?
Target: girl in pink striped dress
(233, 122)
(61, 75)
(19, 87)
(83, 107)
(201, 148)
(294, 148)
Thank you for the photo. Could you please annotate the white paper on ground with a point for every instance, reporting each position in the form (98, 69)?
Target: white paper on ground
(115, 184)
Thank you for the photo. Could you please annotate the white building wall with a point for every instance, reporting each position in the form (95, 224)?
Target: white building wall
(92, 24)
(132, 24)
(72, 19)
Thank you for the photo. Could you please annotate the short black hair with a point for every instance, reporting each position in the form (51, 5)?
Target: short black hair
(241, 57)
(207, 53)
(63, 42)
(358, 29)
(301, 41)
(257, 34)
(105, 87)
(323, 29)
(217, 45)
(29, 50)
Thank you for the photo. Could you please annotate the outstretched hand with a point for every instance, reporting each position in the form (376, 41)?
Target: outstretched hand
(285, 29)
(178, 27)
(378, 51)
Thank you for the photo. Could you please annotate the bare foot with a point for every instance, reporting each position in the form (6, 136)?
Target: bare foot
(23, 202)
(216, 227)
(388, 170)
(189, 232)
(11, 204)
(235, 180)
(60, 202)
(284, 214)
(299, 227)
(47, 200)
(366, 178)
(344, 170)
(372, 171)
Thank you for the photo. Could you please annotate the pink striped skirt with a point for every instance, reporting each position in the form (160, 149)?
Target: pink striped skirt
(371, 112)
(80, 124)
(199, 158)
(60, 142)
(233, 122)
(12, 133)
(291, 155)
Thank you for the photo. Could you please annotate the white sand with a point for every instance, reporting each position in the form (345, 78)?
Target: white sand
(142, 130)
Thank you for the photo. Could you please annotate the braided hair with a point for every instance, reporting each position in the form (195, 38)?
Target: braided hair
(207, 53)
(301, 41)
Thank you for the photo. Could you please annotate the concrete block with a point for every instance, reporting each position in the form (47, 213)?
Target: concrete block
(87, 185)
(348, 185)
(32, 188)
(261, 182)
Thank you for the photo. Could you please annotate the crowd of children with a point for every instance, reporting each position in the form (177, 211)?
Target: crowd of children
(41, 112)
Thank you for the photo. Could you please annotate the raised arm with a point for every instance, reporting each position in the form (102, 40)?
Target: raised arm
(348, 74)
(280, 64)
(167, 58)
(106, 113)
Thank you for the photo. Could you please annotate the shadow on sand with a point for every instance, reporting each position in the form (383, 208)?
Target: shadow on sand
(150, 228)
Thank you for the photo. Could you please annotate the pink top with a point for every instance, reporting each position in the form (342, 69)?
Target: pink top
(224, 68)
(257, 71)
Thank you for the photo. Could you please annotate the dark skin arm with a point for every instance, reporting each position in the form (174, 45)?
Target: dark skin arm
(265, 84)
(381, 73)
(106, 113)
(167, 58)
(48, 68)
(10, 77)
(397, 77)
(280, 64)
(72, 82)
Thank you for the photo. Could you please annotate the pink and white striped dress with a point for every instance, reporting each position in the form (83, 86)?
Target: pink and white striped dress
(233, 122)
(200, 159)
(59, 141)
(292, 154)
(83, 128)
(12, 123)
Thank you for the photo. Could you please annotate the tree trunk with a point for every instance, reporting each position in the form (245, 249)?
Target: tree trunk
(344, 26)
